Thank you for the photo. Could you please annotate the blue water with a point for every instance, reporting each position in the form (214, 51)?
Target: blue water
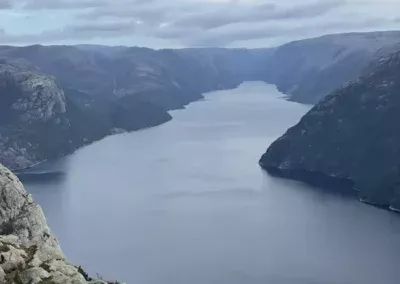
(186, 203)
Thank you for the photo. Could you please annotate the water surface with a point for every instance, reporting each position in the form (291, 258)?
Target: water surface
(186, 203)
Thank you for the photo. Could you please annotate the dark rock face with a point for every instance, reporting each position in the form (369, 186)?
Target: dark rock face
(37, 121)
(351, 138)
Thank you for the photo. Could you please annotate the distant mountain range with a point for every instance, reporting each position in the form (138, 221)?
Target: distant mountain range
(55, 99)
(308, 70)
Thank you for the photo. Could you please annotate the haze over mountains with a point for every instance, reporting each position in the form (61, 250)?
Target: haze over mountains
(310, 69)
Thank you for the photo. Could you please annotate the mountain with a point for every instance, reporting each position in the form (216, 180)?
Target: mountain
(104, 90)
(29, 101)
(29, 251)
(351, 139)
(308, 70)
(169, 78)
(39, 120)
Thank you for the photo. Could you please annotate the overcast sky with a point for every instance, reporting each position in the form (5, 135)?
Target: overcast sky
(182, 23)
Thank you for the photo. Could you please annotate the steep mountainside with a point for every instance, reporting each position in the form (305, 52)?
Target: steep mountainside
(29, 252)
(351, 138)
(306, 69)
(169, 78)
(29, 101)
(40, 121)
(93, 91)
(310, 69)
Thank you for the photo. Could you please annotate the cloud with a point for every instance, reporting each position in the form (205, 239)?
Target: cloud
(6, 4)
(76, 4)
(75, 32)
(256, 13)
(62, 4)
(228, 35)
(188, 22)
(146, 13)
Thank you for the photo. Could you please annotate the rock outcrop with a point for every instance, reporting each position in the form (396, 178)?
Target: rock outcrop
(28, 99)
(41, 121)
(351, 139)
(29, 251)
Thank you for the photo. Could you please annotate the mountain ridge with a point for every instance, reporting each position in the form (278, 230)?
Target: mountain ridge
(350, 137)
(112, 89)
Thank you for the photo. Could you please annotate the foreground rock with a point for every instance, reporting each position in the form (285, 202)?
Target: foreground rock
(29, 252)
(350, 140)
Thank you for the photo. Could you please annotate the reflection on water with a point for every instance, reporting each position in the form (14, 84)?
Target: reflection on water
(51, 171)
(186, 202)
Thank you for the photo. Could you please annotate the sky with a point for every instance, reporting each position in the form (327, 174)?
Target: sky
(188, 23)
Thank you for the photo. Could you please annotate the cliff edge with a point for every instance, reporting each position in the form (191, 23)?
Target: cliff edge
(29, 251)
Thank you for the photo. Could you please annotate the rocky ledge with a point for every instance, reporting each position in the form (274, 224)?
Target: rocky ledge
(350, 140)
(29, 251)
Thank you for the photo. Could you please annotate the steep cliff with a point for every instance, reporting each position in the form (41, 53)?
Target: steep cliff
(29, 251)
(40, 121)
(351, 138)
(29, 100)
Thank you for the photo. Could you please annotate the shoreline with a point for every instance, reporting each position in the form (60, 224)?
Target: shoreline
(342, 186)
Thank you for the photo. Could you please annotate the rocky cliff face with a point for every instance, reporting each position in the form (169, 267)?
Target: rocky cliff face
(351, 138)
(41, 121)
(28, 99)
(29, 251)
(39, 97)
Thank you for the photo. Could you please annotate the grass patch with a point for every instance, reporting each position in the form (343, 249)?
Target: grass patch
(14, 277)
(47, 281)
(84, 274)
(46, 267)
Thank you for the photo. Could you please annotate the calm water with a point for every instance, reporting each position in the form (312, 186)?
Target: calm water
(186, 203)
